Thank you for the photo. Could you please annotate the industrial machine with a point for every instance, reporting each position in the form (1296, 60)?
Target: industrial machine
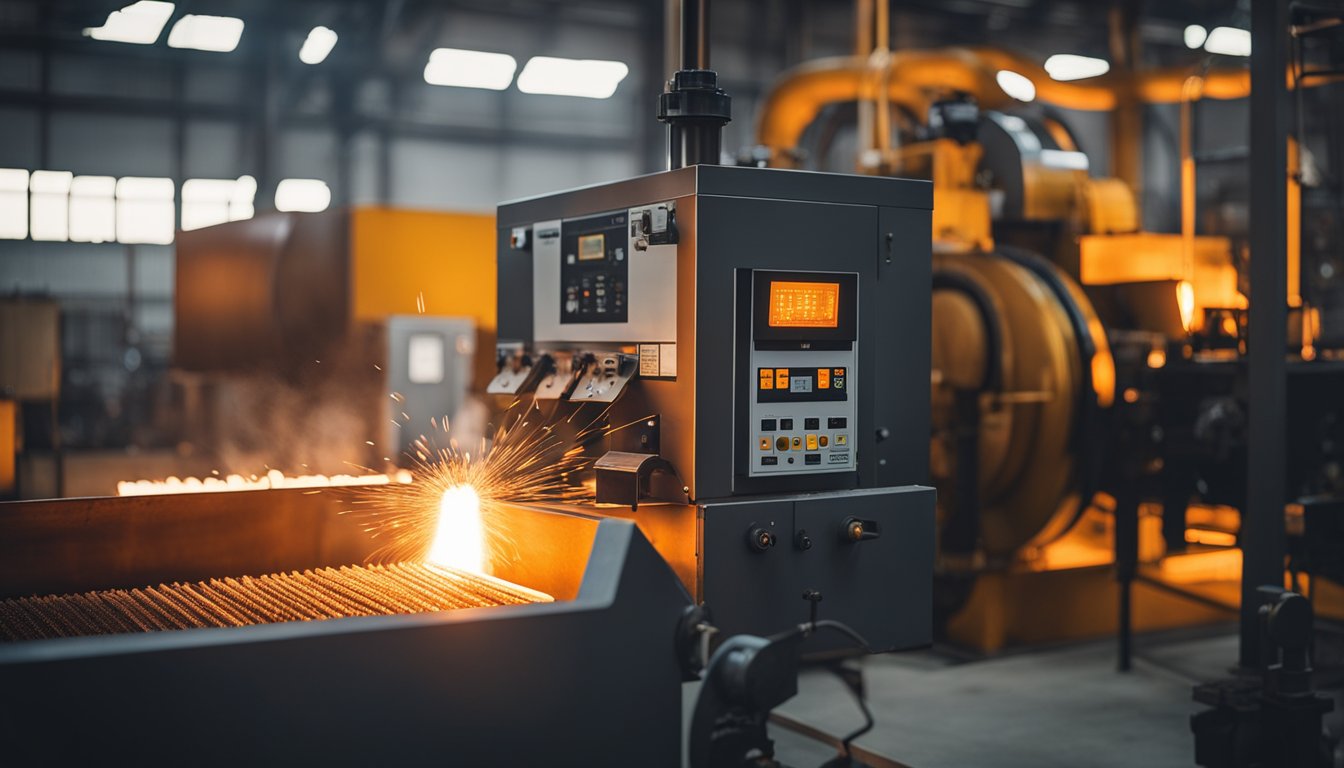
(758, 331)
(731, 315)
(728, 369)
(321, 342)
(1082, 365)
(740, 356)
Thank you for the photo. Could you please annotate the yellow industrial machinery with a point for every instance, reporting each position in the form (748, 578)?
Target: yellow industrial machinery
(1024, 374)
(293, 329)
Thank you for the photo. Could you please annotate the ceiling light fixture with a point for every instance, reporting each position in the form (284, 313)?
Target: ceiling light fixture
(1016, 85)
(470, 69)
(206, 33)
(1229, 41)
(1068, 66)
(139, 23)
(585, 78)
(317, 45)
(1195, 35)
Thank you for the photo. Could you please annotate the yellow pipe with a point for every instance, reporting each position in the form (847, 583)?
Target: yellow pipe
(1191, 91)
(882, 75)
(914, 78)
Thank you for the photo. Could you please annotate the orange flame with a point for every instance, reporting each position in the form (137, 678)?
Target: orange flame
(272, 479)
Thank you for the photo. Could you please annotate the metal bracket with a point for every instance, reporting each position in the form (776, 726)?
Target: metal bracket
(518, 371)
(603, 378)
(626, 478)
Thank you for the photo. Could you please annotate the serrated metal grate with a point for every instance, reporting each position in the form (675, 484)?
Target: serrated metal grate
(324, 593)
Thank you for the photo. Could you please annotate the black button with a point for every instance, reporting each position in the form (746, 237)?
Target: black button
(837, 422)
(811, 423)
(812, 458)
(786, 424)
(767, 425)
(769, 461)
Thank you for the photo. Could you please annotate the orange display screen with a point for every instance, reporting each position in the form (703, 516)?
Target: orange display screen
(804, 305)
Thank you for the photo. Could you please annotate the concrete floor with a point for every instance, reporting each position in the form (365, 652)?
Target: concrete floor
(1061, 707)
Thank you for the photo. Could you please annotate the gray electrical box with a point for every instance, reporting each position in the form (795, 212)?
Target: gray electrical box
(768, 333)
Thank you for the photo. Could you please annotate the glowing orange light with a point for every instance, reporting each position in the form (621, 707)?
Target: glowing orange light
(459, 538)
(804, 305)
(1157, 358)
(1185, 301)
(271, 480)
(1211, 538)
(1131, 395)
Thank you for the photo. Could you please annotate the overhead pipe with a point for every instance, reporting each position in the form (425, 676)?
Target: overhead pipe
(915, 78)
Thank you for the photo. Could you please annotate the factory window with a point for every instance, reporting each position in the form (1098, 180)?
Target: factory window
(49, 206)
(93, 209)
(206, 202)
(145, 212)
(13, 204)
(307, 195)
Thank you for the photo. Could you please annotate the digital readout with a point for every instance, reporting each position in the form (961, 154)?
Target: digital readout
(803, 305)
(592, 247)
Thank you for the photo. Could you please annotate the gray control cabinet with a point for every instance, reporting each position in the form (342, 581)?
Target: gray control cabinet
(775, 326)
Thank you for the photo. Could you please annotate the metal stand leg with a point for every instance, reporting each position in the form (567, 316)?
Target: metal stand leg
(1126, 567)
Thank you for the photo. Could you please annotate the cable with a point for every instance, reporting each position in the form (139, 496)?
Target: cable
(841, 627)
(855, 688)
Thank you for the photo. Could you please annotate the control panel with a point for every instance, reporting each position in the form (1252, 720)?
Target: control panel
(595, 272)
(803, 354)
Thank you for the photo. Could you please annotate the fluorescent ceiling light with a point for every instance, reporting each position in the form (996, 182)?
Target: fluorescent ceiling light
(144, 188)
(93, 209)
(138, 23)
(1016, 85)
(50, 182)
(588, 78)
(1229, 41)
(13, 203)
(319, 43)
(13, 180)
(1195, 35)
(206, 202)
(145, 211)
(470, 69)
(1067, 66)
(306, 195)
(206, 33)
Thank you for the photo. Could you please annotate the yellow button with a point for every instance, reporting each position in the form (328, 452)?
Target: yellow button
(782, 443)
(765, 443)
(823, 378)
(811, 442)
(797, 443)
(823, 440)
(781, 378)
(842, 439)
(767, 380)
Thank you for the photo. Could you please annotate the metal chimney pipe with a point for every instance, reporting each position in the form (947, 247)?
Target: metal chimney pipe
(693, 105)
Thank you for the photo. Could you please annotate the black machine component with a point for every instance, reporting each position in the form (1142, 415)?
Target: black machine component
(747, 677)
(957, 118)
(1273, 717)
(693, 106)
